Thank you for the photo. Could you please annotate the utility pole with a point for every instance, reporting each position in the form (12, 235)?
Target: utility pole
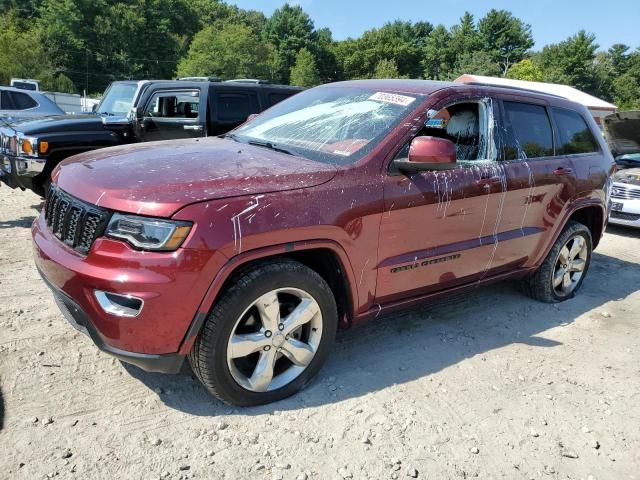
(86, 58)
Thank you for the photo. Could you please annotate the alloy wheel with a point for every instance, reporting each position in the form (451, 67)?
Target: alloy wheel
(570, 265)
(274, 340)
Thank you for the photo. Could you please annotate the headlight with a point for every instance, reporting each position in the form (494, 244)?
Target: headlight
(27, 146)
(148, 233)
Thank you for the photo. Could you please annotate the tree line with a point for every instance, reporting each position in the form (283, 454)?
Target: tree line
(76, 45)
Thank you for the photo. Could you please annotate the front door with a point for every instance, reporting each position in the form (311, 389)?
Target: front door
(439, 228)
(175, 113)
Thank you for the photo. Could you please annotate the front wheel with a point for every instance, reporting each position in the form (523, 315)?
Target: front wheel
(563, 270)
(267, 335)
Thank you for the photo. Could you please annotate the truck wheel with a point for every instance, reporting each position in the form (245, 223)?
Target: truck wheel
(563, 270)
(267, 335)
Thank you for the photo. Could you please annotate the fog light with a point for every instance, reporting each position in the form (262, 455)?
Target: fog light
(119, 305)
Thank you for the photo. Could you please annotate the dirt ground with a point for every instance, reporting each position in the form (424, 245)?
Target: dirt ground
(492, 385)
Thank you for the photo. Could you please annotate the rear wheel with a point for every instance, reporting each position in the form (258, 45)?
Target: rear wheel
(268, 334)
(561, 274)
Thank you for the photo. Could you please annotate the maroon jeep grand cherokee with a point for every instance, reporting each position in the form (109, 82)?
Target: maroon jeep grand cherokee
(245, 253)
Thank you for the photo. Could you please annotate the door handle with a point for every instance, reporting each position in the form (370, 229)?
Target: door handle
(488, 181)
(562, 171)
(197, 128)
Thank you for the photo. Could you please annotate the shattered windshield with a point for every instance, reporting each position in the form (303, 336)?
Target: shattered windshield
(331, 124)
(117, 100)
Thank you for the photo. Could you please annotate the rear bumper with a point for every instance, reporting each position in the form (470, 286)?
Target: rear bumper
(75, 315)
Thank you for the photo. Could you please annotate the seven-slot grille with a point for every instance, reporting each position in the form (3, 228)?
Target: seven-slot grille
(73, 221)
(625, 193)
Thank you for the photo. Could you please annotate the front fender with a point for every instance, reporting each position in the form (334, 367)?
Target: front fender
(238, 261)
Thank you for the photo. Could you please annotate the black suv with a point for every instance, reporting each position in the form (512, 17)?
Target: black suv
(130, 111)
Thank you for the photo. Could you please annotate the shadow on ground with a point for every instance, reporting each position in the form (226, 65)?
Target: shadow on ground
(1, 410)
(416, 343)
(628, 232)
(24, 222)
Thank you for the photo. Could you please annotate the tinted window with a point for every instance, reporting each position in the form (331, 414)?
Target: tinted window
(17, 101)
(531, 131)
(277, 98)
(236, 107)
(22, 101)
(24, 85)
(575, 135)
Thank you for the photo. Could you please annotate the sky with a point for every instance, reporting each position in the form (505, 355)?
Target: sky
(612, 21)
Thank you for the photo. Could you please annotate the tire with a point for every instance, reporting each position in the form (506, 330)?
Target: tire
(540, 285)
(242, 312)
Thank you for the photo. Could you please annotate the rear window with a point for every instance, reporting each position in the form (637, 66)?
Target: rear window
(16, 101)
(532, 134)
(277, 98)
(236, 107)
(575, 135)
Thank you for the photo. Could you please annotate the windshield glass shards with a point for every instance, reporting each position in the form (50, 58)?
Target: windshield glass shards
(330, 124)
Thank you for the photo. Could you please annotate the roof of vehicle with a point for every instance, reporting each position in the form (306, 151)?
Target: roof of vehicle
(422, 87)
(21, 90)
(427, 87)
(243, 83)
(564, 91)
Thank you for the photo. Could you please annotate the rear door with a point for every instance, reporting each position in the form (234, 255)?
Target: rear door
(541, 180)
(230, 107)
(169, 113)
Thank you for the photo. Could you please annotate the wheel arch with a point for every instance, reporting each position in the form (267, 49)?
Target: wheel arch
(591, 216)
(325, 257)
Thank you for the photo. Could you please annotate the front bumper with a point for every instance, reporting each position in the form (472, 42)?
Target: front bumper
(625, 208)
(18, 172)
(167, 363)
(172, 286)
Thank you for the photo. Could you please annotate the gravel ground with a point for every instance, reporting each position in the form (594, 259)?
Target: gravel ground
(489, 385)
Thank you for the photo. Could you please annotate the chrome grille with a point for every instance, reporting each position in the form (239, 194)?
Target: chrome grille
(624, 192)
(5, 141)
(73, 221)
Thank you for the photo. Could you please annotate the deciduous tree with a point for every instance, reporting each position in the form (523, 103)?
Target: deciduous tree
(226, 51)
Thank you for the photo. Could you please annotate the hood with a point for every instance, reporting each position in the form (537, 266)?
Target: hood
(54, 124)
(158, 178)
(622, 131)
(629, 176)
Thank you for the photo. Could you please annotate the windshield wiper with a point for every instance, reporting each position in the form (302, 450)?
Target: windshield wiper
(232, 136)
(270, 146)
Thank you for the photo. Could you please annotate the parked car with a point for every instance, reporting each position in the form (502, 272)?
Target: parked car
(25, 84)
(245, 253)
(72, 102)
(17, 103)
(130, 112)
(623, 135)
